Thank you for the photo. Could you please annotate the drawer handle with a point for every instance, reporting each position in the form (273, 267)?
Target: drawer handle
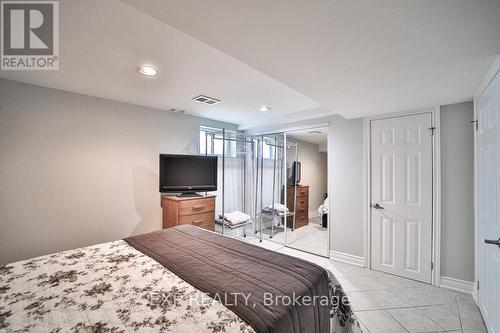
(197, 221)
(198, 207)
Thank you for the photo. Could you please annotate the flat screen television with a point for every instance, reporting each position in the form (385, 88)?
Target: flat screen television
(295, 173)
(188, 174)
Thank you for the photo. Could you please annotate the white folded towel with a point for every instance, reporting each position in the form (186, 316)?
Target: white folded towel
(236, 217)
(278, 207)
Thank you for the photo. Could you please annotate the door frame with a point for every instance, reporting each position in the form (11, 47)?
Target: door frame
(436, 187)
(309, 126)
(489, 77)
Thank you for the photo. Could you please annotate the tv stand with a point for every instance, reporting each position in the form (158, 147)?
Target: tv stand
(188, 195)
(197, 211)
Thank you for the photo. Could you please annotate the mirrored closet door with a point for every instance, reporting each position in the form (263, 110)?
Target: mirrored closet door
(306, 188)
(272, 170)
(236, 181)
(272, 187)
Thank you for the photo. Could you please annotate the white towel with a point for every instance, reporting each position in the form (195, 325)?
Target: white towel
(278, 207)
(236, 217)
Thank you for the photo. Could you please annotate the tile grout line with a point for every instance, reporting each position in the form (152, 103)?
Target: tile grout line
(397, 321)
(396, 289)
(403, 307)
(364, 325)
(416, 308)
(459, 314)
(436, 322)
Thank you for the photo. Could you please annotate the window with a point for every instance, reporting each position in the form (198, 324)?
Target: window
(211, 142)
(267, 151)
(205, 141)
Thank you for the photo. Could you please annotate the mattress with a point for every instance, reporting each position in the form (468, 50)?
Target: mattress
(151, 283)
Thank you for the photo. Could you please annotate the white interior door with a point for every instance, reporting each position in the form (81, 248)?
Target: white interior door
(401, 196)
(488, 202)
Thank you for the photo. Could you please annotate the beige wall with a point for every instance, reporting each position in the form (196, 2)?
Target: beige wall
(77, 170)
(314, 172)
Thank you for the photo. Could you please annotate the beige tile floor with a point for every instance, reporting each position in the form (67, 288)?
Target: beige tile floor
(311, 238)
(385, 303)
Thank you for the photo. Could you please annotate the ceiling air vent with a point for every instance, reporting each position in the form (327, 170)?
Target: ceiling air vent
(206, 100)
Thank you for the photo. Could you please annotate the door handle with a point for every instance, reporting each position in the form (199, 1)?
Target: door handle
(377, 206)
(493, 242)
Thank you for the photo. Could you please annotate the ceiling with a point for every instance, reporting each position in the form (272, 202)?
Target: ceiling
(305, 59)
(311, 135)
(102, 43)
(357, 57)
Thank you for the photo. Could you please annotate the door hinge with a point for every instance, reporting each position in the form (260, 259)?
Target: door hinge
(432, 266)
(477, 285)
(432, 129)
(476, 122)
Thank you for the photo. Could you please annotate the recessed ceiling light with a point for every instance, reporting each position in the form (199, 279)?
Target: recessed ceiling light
(264, 108)
(147, 70)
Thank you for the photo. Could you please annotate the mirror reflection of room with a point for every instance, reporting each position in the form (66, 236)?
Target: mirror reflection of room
(272, 187)
(307, 190)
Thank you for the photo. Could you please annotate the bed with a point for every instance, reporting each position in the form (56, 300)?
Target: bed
(183, 279)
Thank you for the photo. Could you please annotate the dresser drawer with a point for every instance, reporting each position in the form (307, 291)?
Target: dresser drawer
(205, 220)
(302, 216)
(198, 206)
(302, 191)
(302, 201)
(301, 219)
(301, 210)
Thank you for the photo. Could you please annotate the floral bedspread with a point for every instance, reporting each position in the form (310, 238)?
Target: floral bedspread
(112, 287)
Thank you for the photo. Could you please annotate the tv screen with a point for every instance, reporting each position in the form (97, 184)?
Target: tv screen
(188, 173)
(295, 173)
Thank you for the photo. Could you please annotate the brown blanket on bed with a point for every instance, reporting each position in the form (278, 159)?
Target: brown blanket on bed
(221, 266)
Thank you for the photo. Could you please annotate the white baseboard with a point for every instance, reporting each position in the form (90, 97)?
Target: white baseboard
(347, 258)
(456, 285)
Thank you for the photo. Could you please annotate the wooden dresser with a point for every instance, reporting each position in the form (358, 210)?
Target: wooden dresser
(301, 208)
(198, 211)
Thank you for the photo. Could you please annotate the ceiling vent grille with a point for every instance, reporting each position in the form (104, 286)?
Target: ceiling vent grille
(206, 100)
